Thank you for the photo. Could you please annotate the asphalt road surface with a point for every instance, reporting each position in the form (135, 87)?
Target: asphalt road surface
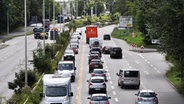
(151, 64)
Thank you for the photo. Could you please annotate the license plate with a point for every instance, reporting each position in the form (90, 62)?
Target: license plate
(97, 88)
(95, 65)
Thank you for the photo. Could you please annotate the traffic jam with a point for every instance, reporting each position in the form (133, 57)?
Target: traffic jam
(58, 89)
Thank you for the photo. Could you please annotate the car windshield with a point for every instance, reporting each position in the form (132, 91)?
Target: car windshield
(131, 73)
(97, 80)
(147, 94)
(98, 71)
(68, 52)
(38, 29)
(65, 66)
(99, 98)
(54, 91)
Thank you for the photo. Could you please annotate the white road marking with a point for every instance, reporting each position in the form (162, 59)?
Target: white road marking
(114, 93)
(158, 71)
(112, 87)
(116, 99)
(110, 82)
(146, 72)
(137, 62)
(109, 77)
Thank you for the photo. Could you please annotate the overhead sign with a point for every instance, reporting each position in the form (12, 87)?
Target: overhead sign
(125, 21)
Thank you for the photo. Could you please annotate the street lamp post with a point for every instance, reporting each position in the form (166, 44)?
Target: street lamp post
(25, 29)
(44, 25)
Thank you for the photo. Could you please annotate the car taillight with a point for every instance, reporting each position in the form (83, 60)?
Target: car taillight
(90, 84)
(103, 75)
(90, 102)
(93, 74)
(108, 102)
(139, 99)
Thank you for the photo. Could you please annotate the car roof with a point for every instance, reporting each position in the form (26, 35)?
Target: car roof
(144, 90)
(98, 94)
(60, 62)
(129, 69)
(98, 69)
(97, 77)
(95, 60)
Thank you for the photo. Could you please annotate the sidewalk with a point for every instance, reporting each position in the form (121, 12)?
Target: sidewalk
(18, 32)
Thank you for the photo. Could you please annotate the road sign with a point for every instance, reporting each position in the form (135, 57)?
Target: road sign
(125, 21)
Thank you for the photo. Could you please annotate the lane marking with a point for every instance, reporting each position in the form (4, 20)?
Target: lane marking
(80, 76)
(112, 87)
(116, 99)
(114, 93)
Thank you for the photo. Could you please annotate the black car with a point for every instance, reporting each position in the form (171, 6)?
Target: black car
(116, 52)
(106, 37)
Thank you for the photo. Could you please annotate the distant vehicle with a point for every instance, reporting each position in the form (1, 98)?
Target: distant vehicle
(95, 42)
(95, 63)
(96, 52)
(146, 97)
(116, 52)
(69, 55)
(74, 47)
(96, 49)
(106, 37)
(77, 34)
(91, 32)
(57, 89)
(62, 19)
(100, 98)
(39, 33)
(67, 67)
(96, 85)
(99, 72)
(47, 23)
(106, 49)
(93, 56)
(129, 77)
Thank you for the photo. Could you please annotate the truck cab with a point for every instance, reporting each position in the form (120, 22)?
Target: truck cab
(57, 89)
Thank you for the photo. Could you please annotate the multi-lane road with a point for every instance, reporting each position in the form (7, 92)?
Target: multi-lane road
(152, 66)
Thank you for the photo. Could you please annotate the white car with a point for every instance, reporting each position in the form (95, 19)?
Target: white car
(69, 55)
(146, 97)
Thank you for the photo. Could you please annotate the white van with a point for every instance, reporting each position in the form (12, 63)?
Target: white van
(57, 89)
(67, 67)
(129, 77)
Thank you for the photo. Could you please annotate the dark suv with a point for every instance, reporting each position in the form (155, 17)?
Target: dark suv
(39, 33)
(116, 52)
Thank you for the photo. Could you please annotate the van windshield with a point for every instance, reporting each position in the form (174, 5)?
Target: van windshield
(131, 73)
(54, 91)
(65, 66)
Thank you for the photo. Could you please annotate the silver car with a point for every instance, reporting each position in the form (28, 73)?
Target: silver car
(96, 85)
(146, 97)
(99, 99)
(99, 72)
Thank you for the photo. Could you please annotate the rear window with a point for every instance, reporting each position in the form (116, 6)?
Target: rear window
(99, 98)
(98, 71)
(97, 80)
(131, 73)
(147, 94)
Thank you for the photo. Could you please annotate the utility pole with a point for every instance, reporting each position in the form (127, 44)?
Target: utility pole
(25, 29)
(44, 25)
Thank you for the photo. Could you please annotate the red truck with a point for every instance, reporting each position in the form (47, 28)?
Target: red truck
(91, 32)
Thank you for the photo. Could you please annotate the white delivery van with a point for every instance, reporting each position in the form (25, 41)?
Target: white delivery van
(57, 89)
(129, 77)
(67, 67)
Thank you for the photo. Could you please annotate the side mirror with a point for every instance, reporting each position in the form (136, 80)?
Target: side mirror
(87, 80)
(56, 69)
(117, 74)
(88, 97)
(109, 97)
(71, 94)
(136, 94)
(106, 80)
(75, 68)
